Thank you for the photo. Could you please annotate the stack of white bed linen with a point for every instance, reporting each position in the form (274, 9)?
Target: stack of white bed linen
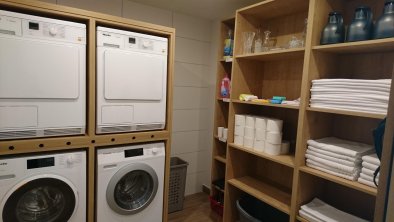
(369, 166)
(370, 96)
(319, 211)
(338, 157)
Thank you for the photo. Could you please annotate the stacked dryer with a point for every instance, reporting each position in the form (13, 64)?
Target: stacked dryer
(42, 76)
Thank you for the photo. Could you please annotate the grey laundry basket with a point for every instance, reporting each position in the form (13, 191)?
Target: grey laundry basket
(178, 169)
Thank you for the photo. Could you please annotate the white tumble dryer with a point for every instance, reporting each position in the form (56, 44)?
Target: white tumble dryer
(46, 187)
(130, 183)
(42, 76)
(131, 81)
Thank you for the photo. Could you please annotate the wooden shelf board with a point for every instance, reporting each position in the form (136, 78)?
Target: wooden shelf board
(348, 113)
(266, 104)
(226, 61)
(216, 137)
(377, 45)
(263, 191)
(220, 159)
(274, 8)
(348, 183)
(274, 55)
(287, 160)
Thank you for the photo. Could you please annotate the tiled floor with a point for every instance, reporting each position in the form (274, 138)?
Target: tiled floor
(196, 208)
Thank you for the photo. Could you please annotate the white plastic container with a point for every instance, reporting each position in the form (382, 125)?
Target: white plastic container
(240, 120)
(225, 134)
(239, 140)
(274, 125)
(249, 132)
(259, 145)
(239, 130)
(272, 149)
(274, 137)
(248, 142)
(260, 134)
(220, 132)
(285, 147)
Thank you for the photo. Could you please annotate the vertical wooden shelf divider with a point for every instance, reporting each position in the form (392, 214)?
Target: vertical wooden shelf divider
(289, 73)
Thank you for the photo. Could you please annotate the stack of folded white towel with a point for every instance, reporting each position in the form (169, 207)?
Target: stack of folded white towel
(336, 156)
(370, 164)
(319, 211)
(370, 96)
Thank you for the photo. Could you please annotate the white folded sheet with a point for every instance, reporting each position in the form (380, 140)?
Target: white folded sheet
(352, 81)
(344, 91)
(372, 158)
(348, 101)
(340, 146)
(370, 166)
(361, 87)
(351, 108)
(351, 96)
(308, 216)
(333, 159)
(334, 165)
(335, 155)
(366, 182)
(338, 173)
(327, 213)
(368, 171)
(368, 177)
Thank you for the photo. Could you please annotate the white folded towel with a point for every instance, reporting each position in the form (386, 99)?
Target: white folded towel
(351, 108)
(352, 81)
(344, 147)
(327, 213)
(372, 158)
(344, 91)
(366, 182)
(370, 166)
(309, 217)
(333, 159)
(349, 103)
(360, 88)
(335, 155)
(368, 171)
(352, 96)
(334, 165)
(368, 177)
(334, 172)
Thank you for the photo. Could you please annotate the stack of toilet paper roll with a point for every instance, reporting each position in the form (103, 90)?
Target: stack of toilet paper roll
(222, 134)
(260, 133)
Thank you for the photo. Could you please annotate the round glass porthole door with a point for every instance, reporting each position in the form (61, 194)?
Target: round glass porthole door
(132, 189)
(40, 200)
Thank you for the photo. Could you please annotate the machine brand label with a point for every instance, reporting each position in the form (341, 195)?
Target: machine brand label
(4, 164)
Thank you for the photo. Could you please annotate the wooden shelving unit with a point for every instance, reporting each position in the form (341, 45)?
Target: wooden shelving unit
(219, 147)
(90, 141)
(285, 182)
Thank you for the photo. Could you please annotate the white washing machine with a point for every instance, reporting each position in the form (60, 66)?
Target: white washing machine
(130, 183)
(45, 188)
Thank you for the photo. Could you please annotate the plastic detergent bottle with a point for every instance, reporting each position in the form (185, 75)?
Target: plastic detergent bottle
(228, 44)
(225, 87)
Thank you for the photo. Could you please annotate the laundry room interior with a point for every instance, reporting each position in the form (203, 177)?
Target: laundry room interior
(196, 110)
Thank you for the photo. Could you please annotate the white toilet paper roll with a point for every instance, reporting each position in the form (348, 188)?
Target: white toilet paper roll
(274, 137)
(250, 121)
(261, 123)
(239, 130)
(239, 140)
(225, 133)
(260, 134)
(259, 145)
(285, 147)
(274, 125)
(248, 142)
(272, 149)
(249, 132)
(220, 132)
(240, 120)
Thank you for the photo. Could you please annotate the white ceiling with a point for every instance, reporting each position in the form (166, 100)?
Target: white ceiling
(209, 9)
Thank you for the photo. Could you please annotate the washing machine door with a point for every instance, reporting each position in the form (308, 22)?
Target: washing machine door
(44, 199)
(132, 188)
